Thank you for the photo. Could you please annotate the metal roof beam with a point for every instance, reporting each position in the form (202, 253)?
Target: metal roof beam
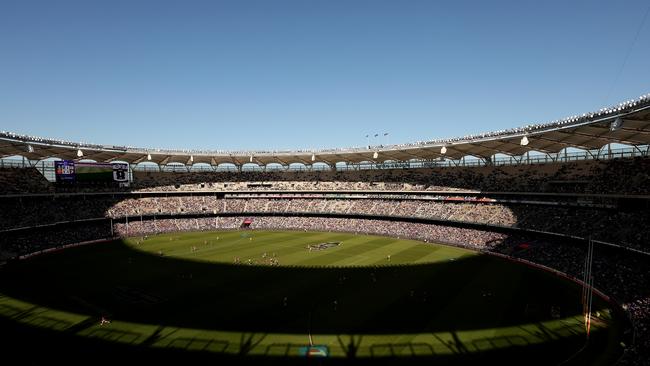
(601, 138)
(411, 154)
(165, 160)
(561, 142)
(305, 162)
(635, 130)
(495, 149)
(282, 162)
(114, 157)
(529, 148)
(391, 156)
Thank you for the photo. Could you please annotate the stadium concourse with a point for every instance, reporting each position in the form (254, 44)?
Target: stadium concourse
(553, 205)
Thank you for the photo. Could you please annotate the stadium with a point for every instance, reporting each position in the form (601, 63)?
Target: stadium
(351, 182)
(522, 246)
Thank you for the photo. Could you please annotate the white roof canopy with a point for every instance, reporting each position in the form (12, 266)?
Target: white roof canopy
(626, 123)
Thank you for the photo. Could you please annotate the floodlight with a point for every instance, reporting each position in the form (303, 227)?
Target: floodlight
(30, 148)
(375, 155)
(80, 153)
(148, 156)
(313, 157)
(443, 150)
(524, 141)
(616, 124)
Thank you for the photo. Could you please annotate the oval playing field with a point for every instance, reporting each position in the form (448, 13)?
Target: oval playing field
(280, 294)
(295, 248)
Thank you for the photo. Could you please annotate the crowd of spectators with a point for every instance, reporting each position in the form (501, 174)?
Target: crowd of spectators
(21, 242)
(23, 180)
(627, 228)
(615, 176)
(425, 232)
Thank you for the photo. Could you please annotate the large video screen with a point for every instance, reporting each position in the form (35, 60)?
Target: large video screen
(64, 171)
(93, 172)
(84, 172)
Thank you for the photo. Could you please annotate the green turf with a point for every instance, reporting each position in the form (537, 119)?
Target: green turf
(428, 300)
(290, 248)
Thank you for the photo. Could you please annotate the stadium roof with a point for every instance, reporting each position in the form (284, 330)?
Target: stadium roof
(625, 123)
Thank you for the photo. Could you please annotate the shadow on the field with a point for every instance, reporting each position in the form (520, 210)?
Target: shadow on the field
(115, 335)
(249, 341)
(351, 346)
(441, 300)
(36, 346)
(499, 342)
(199, 344)
(401, 350)
(84, 324)
(467, 293)
(15, 312)
(155, 336)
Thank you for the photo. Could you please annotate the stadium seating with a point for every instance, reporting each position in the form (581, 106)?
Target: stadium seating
(627, 228)
(36, 214)
(615, 176)
(23, 180)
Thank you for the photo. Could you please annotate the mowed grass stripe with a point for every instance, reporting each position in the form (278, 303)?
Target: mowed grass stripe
(347, 249)
(295, 254)
(255, 248)
(233, 246)
(403, 254)
(380, 249)
(323, 257)
(226, 239)
(442, 253)
(290, 248)
(170, 243)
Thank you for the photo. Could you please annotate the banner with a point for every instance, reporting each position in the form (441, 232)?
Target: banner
(64, 171)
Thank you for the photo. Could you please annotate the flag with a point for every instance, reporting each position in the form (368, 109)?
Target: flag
(385, 133)
(376, 134)
(367, 135)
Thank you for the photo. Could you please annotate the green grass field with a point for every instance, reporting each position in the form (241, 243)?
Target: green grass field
(264, 293)
(290, 248)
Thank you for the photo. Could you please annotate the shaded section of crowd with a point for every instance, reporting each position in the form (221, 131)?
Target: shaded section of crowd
(615, 176)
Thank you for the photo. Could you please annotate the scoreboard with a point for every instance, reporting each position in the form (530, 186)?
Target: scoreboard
(71, 171)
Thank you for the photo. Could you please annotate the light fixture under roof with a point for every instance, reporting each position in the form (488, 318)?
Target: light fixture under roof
(375, 155)
(80, 153)
(616, 124)
(443, 150)
(30, 148)
(524, 141)
(313, 157)
(250, 159)
(149, 157)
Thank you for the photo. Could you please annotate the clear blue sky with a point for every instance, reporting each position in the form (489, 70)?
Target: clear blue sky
(274, 74)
